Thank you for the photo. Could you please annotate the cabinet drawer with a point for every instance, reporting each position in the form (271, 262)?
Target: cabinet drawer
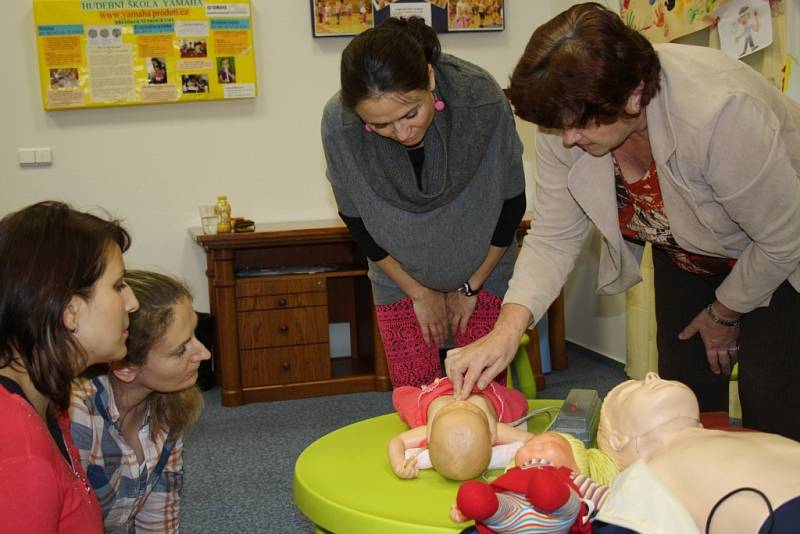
(285, 365)
(274, 328)
(278, 285)
(270, 302)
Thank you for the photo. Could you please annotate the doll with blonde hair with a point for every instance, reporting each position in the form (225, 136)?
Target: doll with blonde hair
(526, 498)
(561, 449)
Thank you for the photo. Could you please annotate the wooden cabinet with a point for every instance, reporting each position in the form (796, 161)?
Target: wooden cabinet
(272, 332)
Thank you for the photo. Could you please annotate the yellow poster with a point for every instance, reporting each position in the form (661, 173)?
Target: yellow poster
(662, 21)
(95, 53)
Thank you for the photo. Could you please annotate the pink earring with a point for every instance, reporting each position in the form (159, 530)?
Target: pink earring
(438, 105)
(367, 127)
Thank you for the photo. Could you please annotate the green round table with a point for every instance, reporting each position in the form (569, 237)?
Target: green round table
(344, 484)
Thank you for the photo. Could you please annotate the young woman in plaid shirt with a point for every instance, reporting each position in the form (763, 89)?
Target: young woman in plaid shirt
(128, 424)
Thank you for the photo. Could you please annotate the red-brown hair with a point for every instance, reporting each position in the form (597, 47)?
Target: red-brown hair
(580, 68)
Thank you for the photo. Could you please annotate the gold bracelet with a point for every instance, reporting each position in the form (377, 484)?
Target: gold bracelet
(721, 320)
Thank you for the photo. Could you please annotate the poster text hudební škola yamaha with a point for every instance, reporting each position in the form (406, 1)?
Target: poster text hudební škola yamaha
(96, 53)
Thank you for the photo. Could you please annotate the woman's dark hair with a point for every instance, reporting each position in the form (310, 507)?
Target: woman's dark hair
(392, 57)
(49, 253)
(581, 67)
(157, 295)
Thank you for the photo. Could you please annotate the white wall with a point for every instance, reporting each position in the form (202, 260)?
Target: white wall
(153, 165)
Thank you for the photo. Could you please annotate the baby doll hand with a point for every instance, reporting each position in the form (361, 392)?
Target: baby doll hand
(407, 469)
(455, 514)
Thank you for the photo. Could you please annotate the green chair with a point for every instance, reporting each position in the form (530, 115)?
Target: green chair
(520, 368)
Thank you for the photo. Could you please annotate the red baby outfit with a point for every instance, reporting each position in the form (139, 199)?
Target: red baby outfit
(412, 402)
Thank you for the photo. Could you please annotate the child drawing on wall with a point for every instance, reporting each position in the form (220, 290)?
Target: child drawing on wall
(745, 26)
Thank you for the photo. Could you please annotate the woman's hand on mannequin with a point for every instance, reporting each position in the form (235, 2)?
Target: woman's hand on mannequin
(721, 342)
(459, 310)
(430, 307)
(480, 362)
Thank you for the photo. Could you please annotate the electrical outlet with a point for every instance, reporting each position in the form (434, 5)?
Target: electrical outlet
(44, 156)
(35, 157)
(26, 156)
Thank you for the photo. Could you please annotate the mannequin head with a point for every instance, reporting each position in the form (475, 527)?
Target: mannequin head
(639, 416)
(460, 441)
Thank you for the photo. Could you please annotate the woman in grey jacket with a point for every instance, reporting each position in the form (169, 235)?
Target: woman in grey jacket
(426, 168)
(688, 149)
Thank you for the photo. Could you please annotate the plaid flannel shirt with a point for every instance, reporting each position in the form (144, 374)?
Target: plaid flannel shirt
(134, 498)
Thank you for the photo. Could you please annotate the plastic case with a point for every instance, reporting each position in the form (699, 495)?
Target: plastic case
(579, 415)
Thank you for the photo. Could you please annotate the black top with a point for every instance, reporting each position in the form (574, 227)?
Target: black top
(417, 156)
(506, 227)
(52, 424)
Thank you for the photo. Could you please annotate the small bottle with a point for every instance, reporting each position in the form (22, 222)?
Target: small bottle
(223, 210)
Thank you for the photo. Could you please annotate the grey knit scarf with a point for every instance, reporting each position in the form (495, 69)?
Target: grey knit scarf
(455, 144)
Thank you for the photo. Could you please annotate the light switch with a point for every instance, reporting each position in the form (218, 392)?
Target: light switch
(44, 156)
(26, 156)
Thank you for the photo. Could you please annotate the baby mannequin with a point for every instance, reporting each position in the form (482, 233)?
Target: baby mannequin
(459, 434)
(656, 421)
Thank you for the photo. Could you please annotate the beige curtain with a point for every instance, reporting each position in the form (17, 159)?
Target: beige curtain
(640, 317)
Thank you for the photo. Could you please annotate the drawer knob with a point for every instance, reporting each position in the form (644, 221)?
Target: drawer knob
(281, 302)
(284, 328)
(285, 366)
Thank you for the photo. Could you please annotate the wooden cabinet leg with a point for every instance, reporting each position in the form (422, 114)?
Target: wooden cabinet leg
(212, 304)
(226, 327)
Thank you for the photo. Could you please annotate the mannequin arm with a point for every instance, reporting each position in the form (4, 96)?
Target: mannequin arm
(397, 452)
(509, 434)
